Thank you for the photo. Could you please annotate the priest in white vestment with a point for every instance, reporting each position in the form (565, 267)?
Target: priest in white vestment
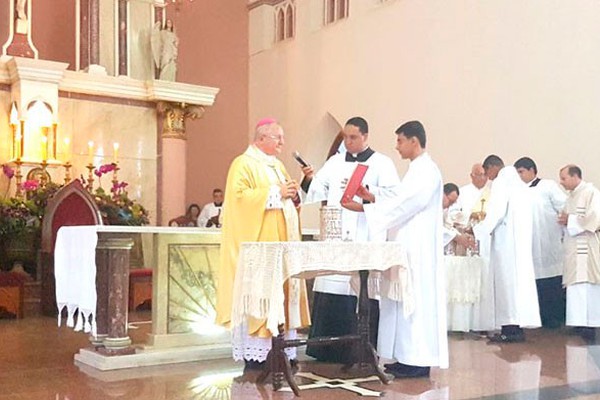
(414, 219)
(334, 307)
(509, 220)
(548, 200)
(450, 233)
(471, 196)
(581, 275)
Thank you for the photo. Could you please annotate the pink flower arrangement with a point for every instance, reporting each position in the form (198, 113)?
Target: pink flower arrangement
(8, 171)
(105, 169)
(30, 185)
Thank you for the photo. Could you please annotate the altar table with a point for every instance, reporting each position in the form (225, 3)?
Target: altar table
(263, 267)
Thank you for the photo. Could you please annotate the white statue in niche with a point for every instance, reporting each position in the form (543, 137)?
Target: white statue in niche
(164, 44)
(21, 16)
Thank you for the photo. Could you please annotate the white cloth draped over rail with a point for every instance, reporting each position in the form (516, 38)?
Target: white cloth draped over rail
(75, 274)
(263, 267)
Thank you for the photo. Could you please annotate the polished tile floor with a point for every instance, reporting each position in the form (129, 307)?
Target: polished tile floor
(36, 362)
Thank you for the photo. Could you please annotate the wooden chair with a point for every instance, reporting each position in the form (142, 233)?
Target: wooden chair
(72, 205)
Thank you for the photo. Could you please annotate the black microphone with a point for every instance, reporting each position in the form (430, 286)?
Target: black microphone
(299, 159)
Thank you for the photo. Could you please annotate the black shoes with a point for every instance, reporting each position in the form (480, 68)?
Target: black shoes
(399, 370)
(504, 338)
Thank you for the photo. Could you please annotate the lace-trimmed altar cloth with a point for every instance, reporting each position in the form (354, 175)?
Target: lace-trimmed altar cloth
(463, 276)
(75, 275)
(263, 267)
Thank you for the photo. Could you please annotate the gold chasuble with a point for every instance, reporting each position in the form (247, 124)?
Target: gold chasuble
(247, 219)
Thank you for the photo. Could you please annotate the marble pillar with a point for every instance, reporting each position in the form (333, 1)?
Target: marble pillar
(112, 280)
(89, 36)
(173, 157)
(123, 62)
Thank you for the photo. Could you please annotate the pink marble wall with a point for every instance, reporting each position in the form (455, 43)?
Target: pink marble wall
(213, 51)
(53, 30)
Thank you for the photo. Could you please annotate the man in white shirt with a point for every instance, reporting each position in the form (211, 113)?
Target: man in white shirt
(508, 221)
(414, 219)
(451, 234)
(211, 212)
(581, 218)
(334, 305)
(548, 201)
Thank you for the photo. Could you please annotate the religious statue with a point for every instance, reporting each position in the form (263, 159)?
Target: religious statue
(164, 44)
(21, 16)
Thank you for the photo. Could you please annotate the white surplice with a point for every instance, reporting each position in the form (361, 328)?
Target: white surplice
(329, 184)
(208, 211)
(548, 200)
(509, 222)
(414, 219)
(582, 256)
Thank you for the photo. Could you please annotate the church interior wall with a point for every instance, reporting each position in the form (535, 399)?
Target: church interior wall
(213, 51)
(4, 16)
(141, 65)
(52, 30)
(510, 78)
(108, 38)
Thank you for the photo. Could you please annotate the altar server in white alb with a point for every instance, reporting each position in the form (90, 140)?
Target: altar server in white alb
(509, 221)
(548, 200)
(334, 306)
(581, 275)
(414, 219)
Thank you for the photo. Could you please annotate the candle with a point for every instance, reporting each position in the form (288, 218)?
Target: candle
(19, 151)
(44, 147)
(67, 150)
(115, 152)
(91, 151)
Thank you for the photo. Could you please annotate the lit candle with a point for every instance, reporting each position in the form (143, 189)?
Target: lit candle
(67, 149)
(19, 139)
(44, 147)
(115, 152)
(91, 151)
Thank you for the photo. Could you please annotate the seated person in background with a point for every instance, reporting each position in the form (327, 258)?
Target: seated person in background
(209, 217)
(189, 219)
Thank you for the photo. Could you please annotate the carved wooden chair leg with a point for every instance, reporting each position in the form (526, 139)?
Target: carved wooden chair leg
(373, 360)
(267, 369)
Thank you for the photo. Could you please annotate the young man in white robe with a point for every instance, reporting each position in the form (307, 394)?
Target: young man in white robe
(581, 276)
(416, 341)
(450, 233)
(548, 200)
(509, 220)
(334, 305)
(210, 216)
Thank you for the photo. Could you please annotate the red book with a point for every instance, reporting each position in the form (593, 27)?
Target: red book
(354, 182)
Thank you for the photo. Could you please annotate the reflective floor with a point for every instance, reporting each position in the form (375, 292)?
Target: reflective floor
(37, 363)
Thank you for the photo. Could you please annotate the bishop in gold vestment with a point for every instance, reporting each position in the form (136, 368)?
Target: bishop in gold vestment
(258, 207)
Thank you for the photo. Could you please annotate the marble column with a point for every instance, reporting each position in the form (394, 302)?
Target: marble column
(173, 157)
(89, 33)
(123, 69)
(112, 280)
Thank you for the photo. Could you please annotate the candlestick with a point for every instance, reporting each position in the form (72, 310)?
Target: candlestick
(90, 180)
(115, 152)
(115, 180)
(67, 166)
(18, 178)
(91, 152)
(44, 176)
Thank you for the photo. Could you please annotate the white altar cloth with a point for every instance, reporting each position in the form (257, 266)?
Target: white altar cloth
(470, 294)
(263, 267)
(463, 276)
